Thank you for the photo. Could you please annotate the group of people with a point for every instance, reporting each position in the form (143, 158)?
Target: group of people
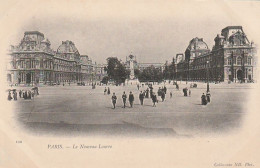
(10, 97)
(25, 94)
(162, 92)
(124, 97)
(149, 93)
(186, 91)
(142, 95)
(205, 99)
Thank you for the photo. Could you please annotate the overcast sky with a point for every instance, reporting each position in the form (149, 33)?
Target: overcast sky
(153, 32)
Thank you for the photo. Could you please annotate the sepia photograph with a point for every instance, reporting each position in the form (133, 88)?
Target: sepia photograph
(95, 76)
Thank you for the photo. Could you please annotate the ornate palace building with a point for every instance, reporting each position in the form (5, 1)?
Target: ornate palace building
(232, 58)
(33, 62)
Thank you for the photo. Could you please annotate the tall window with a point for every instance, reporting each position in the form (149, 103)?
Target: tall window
(229, 61)
(249, 61)
(239, 61)
(234, 60)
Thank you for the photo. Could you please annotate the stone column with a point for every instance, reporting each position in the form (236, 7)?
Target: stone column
(132, 74)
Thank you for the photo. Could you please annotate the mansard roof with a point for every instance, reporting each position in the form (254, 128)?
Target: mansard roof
(67, 47)
(33, 32)
(197, 44)
(232, 27)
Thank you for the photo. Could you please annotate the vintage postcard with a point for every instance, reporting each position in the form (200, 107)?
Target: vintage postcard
(130, 84)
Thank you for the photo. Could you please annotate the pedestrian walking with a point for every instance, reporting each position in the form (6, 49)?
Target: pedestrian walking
(189, 92)
(185, 90)
(131, 99)
(154, 99)
(33, 93)
(141, 98)
(114, 100)
(170, 94)
(165, 89)
(105, 91)
(108, 91)
(159, 92)
(29, 95)
(20, 93)
(203, 99)
(9, 96)
(177, 86)
(138, 86)
(124, 97)
(147, 93)
(15, 95)
(25, 95)
(163, 96)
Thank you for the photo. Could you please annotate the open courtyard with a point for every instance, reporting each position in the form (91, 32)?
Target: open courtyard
(80, 110)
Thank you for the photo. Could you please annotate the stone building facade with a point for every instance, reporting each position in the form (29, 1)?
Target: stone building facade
(232, 58)
(33, 62)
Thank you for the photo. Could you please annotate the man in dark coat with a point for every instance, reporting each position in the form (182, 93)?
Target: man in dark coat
(108, 91)
(15, 95)
(203, 99)
(147, 93)
(20, 93)
(165, 89)
(29, 95)
(105, 91)
(141, 98)
(124, 97)
(154, 99)
(185, 90)
(25, 95)
(131, 99)
(159, 92)
(163, 96)
(9, 96)
(114, 100)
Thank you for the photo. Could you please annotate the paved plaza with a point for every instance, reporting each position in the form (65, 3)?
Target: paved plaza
(80, 110)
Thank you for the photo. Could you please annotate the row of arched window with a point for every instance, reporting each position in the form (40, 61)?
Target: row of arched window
(238, 61)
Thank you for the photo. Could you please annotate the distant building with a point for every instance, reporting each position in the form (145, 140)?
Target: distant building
(86, 68)
(33, 62)
(99, 70)
(141, 66)
(232, 58)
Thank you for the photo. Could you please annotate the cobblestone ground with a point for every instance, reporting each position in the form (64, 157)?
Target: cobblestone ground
(80, 110)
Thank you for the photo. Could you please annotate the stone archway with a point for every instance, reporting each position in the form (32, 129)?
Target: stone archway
(240, 74)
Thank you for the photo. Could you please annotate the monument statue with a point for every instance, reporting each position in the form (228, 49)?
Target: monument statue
(131, 62)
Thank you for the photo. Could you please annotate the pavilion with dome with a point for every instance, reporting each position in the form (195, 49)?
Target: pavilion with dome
(232, 58)
(34, 62)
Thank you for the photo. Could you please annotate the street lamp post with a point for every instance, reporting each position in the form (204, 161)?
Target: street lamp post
(207, 76)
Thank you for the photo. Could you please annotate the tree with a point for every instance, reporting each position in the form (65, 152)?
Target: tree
(105, 80)
(170, 70)
(151, 74)
(137, 72)
(116, 70)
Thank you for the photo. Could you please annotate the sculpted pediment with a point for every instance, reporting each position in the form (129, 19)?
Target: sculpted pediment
(238, 38)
